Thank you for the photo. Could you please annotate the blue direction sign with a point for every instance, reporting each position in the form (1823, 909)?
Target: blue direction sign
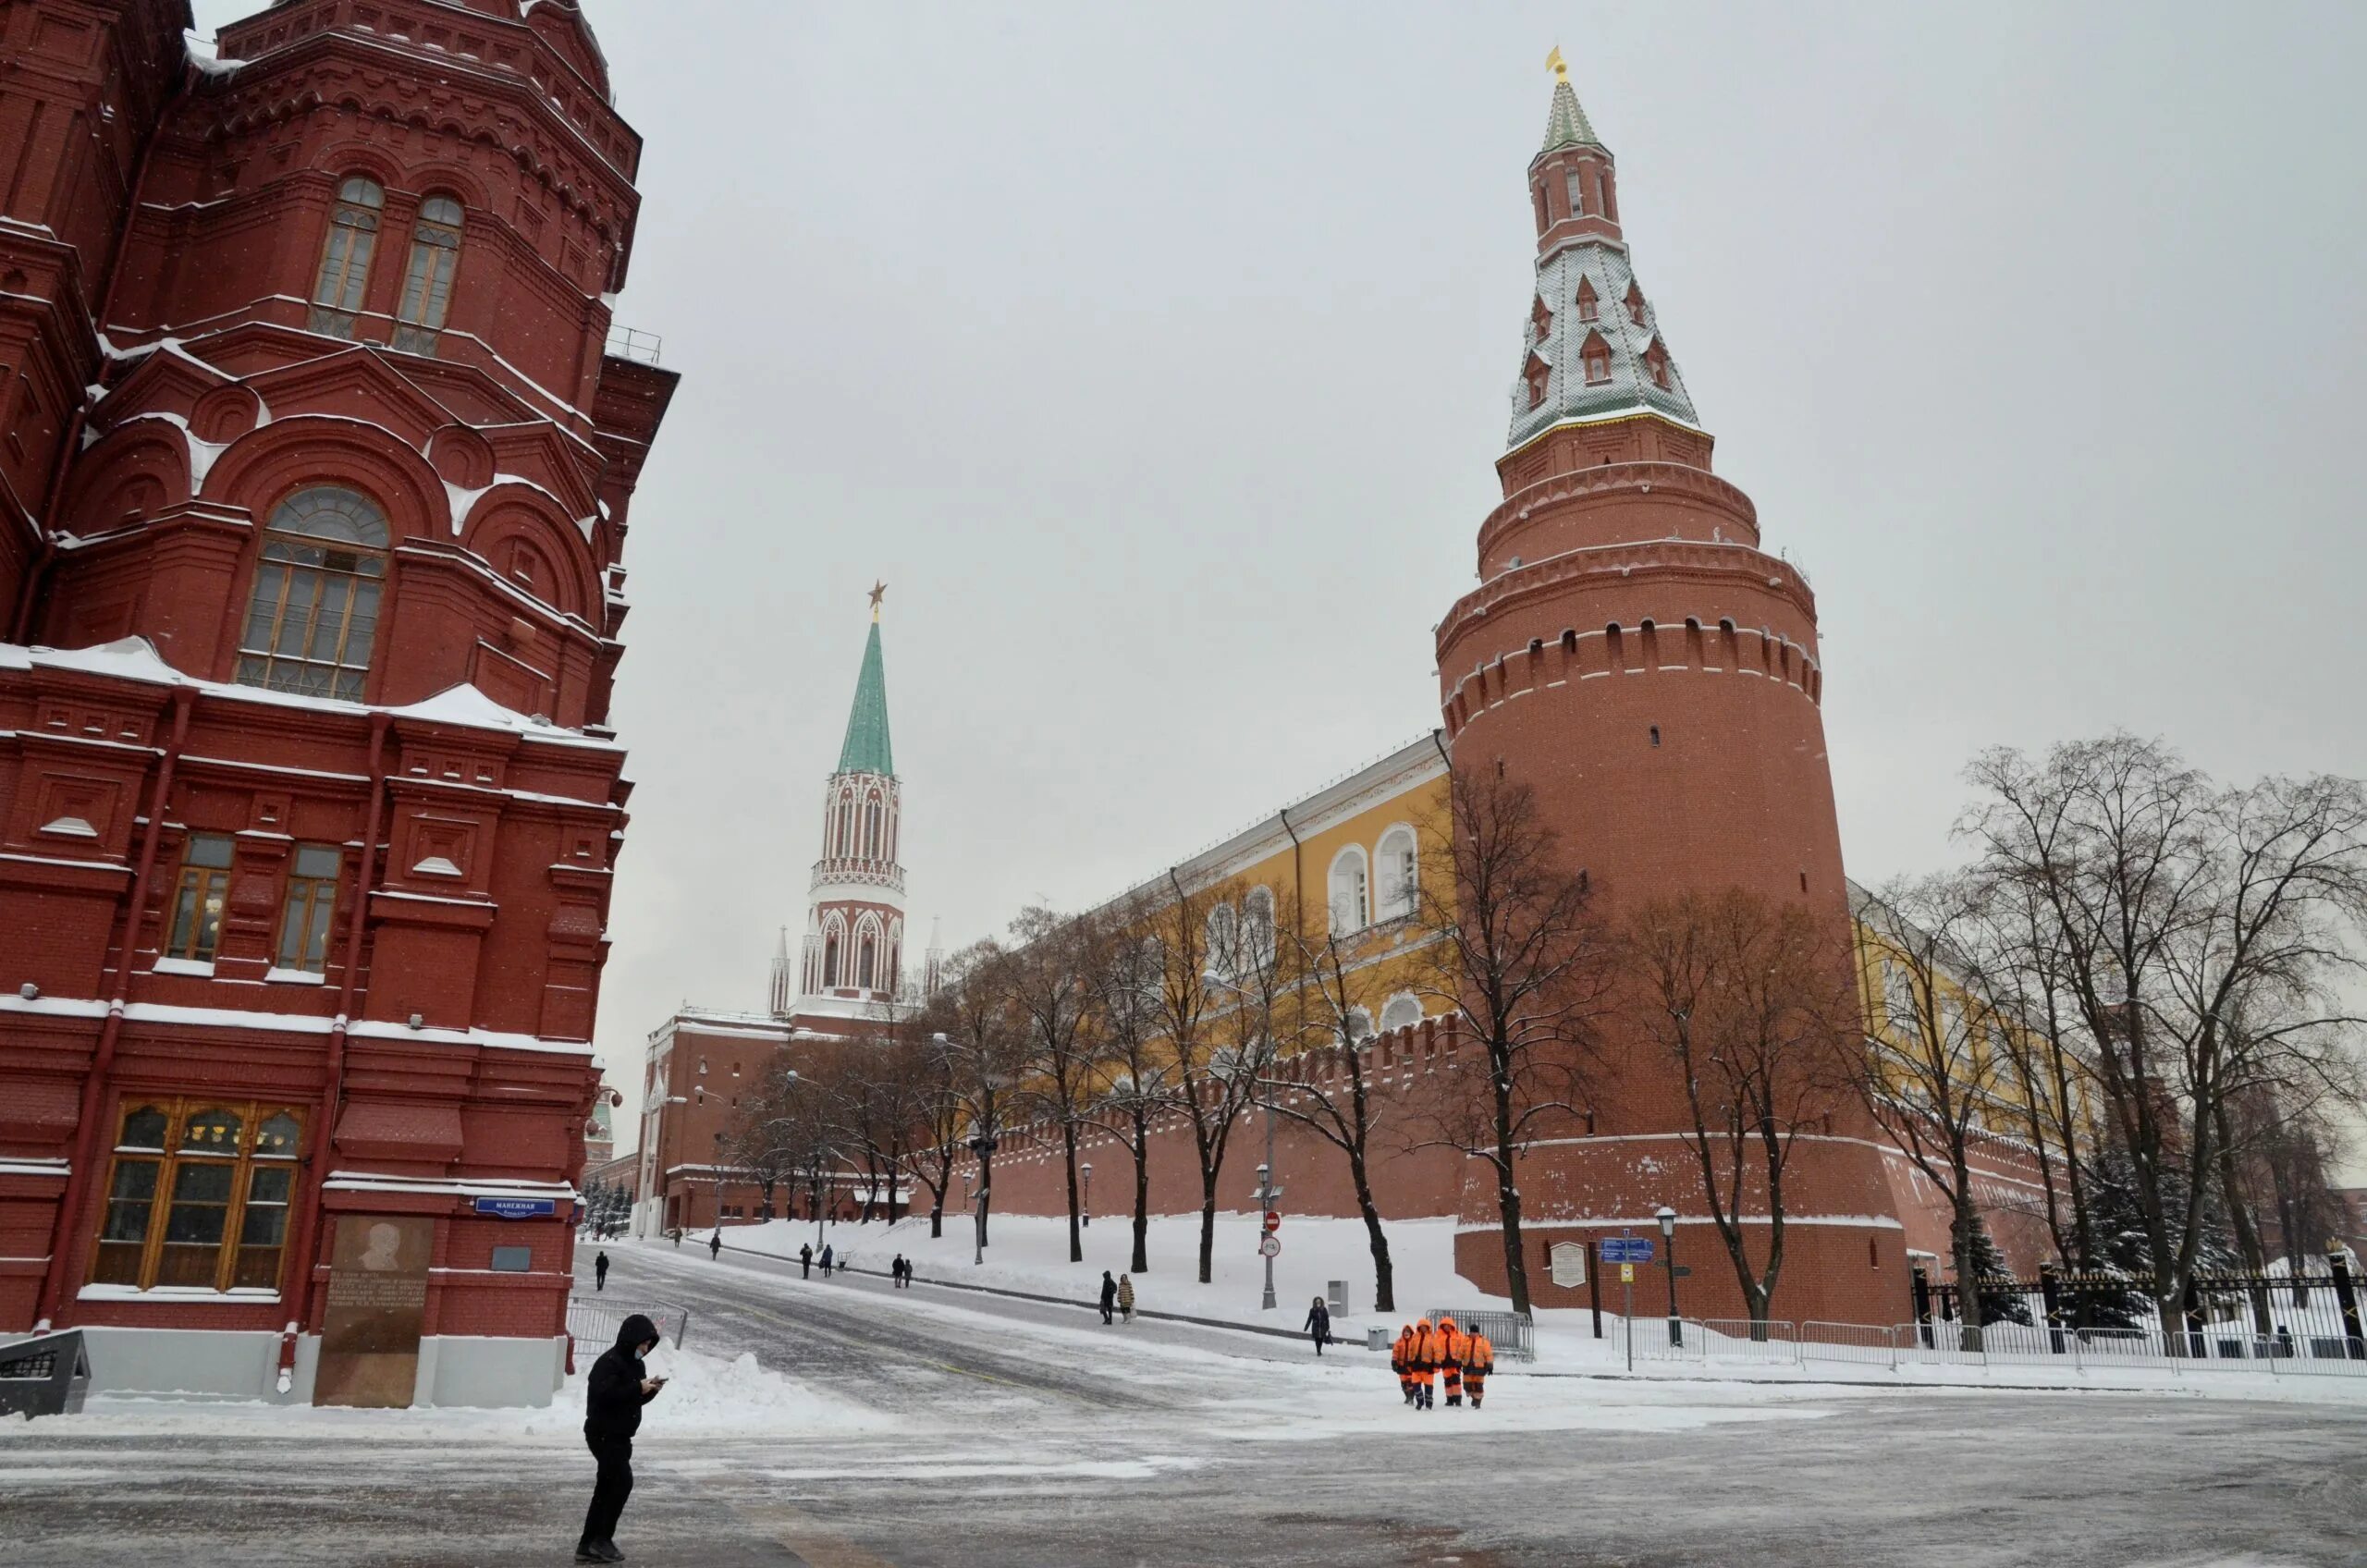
(518, 1208)
(1627, 1249)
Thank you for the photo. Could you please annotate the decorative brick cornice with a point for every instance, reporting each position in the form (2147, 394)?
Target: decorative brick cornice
(1616, 480)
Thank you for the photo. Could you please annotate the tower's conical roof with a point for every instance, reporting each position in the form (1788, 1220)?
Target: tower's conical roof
(1565, 124)
(866, 749)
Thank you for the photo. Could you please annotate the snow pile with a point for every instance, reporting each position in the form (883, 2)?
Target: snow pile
(707, 1394)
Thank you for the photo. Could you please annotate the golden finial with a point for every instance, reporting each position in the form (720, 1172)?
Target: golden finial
(878, 591)
(1558, 65)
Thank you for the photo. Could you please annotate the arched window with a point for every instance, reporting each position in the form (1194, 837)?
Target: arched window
(1359, 1026)
(1349, 882)
(1224, 941)
(1540, 377)
(846, 824)
(345, 260)
(1400, 873)
(1577, 201)
(1588, 309)
(895, 962)
(830, 961)
(1257, 925)
(314, 611)
(1403, 1010)
(428, 282)
(866, 958)
(871, 827)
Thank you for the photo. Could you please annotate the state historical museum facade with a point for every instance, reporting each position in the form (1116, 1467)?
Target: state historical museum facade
(316, 466)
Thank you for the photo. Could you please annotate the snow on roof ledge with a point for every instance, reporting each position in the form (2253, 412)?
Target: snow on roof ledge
(135, 658)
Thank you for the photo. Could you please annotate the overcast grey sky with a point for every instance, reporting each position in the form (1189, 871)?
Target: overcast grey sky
(1157, 356)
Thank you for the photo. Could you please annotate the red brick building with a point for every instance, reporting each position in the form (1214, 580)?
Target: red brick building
(317, 469)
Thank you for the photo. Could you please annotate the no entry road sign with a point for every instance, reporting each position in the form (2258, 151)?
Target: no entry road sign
(1273, 1222)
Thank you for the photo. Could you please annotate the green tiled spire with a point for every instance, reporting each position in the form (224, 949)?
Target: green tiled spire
(866, 749)
(1566, 125)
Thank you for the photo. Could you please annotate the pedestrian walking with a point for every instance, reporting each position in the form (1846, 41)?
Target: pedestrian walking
(1109, 1296)
(1401, 1361)
(1319, 1325)
(715, 1244)
(678, 1235)
(1453, 1346)
(1126, 1298)
(600, 1271)
(895, 1272)
(825, 1260)
(1479, 1362)
(1424, 1364)
(619, 1385)
(806, 1261)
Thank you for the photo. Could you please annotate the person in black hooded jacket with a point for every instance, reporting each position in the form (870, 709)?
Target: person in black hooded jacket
(619, 1385)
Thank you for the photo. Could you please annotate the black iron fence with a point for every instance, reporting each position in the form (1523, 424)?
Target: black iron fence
(2299, 1317)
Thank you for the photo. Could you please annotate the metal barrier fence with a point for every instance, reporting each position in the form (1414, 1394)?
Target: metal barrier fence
(596, 1323)
(1514, 1335)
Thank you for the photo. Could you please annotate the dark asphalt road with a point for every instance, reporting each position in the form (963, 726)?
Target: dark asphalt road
(1034, 1450)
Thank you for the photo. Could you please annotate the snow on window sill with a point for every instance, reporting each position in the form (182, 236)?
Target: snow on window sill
(243, 1297)
(277, 977)
(202, 968)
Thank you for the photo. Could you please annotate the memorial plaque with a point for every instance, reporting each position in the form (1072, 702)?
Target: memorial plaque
(378, 1296)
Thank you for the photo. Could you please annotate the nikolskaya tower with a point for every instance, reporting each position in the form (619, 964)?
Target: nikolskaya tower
(851, 962)
(1634, 654)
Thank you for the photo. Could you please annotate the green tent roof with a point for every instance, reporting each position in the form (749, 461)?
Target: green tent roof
(1565, 124)
(866, 749)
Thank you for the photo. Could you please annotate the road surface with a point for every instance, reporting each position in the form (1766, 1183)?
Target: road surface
(1033, 1437)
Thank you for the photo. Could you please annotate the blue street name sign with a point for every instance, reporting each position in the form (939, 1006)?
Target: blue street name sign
(518, 1208)
(1627, 1249)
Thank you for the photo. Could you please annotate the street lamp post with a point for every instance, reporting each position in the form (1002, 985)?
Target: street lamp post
(1667, 1216)
(1267, 1194)
(1088, 1195)
(983, 1147)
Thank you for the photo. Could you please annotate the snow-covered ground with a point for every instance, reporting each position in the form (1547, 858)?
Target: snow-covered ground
(1030, 1252)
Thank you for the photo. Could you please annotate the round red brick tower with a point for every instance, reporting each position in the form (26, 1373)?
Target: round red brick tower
(1635, 656)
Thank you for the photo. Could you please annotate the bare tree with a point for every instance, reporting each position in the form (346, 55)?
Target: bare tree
(1938, 1069)
(766, 1143)
(937, 1119)
(1136, 1069)
(1517, 955)
(2053, 1085)
(986, 1049)
(1207, 1086)
(1044, 979)
(2203, 935)
(1753, 1003)
(1335, 1013)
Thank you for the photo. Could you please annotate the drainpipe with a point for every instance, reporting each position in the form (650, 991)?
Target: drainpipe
(45, 525)
(308, 1213)
(1298, 880)
(77, 1174)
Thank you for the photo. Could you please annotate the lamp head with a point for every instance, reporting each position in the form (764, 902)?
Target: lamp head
(1667, 1216)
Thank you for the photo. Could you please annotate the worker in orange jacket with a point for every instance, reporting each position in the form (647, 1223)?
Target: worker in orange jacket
(1427, 1353)
(1401, 1361)
(1454, 1345)
(1478, 1360)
